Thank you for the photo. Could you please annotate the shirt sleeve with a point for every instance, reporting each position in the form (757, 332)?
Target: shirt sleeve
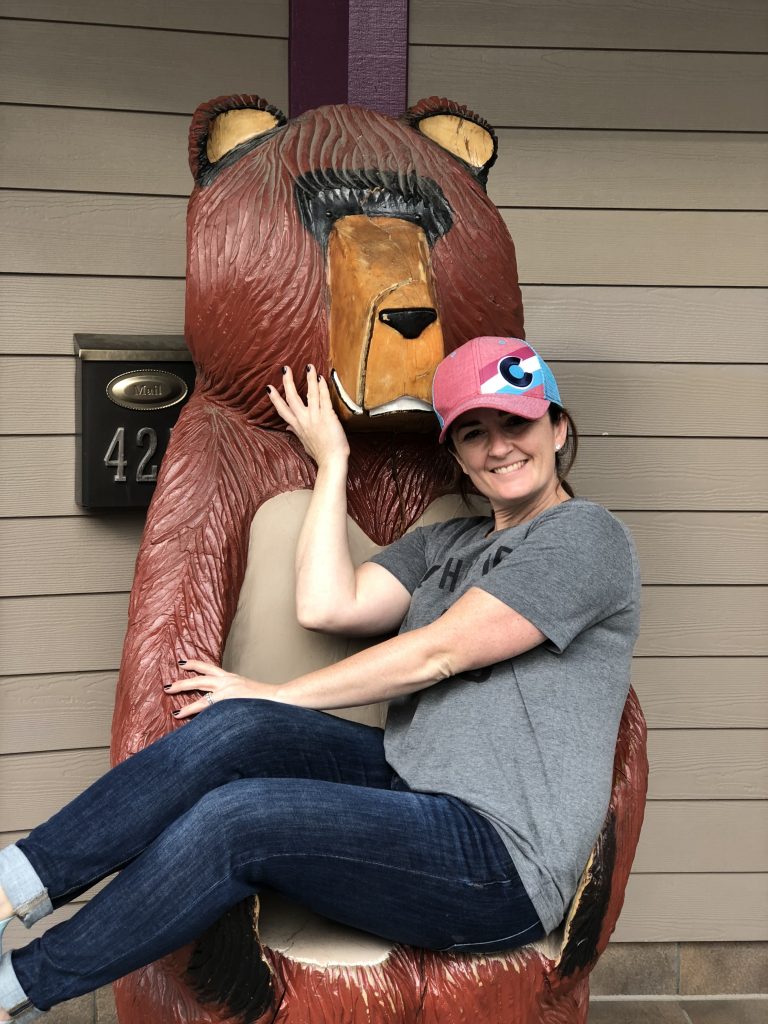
(574, 569)
(406, 558)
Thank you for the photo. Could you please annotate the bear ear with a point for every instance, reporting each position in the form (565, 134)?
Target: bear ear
(459, 130)
(224, 123)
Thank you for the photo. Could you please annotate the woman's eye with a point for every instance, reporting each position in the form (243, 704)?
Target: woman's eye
(515, 424)
(471, 435)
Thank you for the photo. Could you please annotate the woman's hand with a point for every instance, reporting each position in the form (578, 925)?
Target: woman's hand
(218, 685)
(314, 423)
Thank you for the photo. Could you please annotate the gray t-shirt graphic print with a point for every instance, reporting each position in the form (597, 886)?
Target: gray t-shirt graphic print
(528, 742)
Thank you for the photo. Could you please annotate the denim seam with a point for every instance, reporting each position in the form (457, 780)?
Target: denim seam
(379, 864)
(489, 942)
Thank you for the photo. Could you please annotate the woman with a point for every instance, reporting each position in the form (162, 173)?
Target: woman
(466, 824)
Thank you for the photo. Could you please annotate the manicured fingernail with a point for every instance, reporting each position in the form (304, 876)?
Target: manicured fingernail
(268, 389)
(176, 713)
(182, 661)
(166, 686)
(285, 369)
(309, 367)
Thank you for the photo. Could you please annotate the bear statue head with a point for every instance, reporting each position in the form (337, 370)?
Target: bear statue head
(361, 243)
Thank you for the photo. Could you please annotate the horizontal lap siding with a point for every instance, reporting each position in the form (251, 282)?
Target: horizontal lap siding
(632, 174)
(629, 182)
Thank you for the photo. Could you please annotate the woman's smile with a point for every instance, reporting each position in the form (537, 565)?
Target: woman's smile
(510, 460)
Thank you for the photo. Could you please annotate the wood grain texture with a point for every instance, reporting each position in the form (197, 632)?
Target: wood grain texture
(64, 64)
(605, 399)
(67, 233)
(89, 554)
(634, 24)
(652, 248)
(94, 150)
(695, 908)
(721, 835)
(81, 554)
(702, 693)
(701, 547)
(83, 633)
(56, 712)
(241, 17)
(635, 474)
(720, 764)
(57, 233)
(702, 621)
(35, 786)
(41, 314)
(545, 88)
(685, 765)
(656, 170)
(656, 324)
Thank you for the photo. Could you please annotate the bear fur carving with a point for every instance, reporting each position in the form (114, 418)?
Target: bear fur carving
(367, 246)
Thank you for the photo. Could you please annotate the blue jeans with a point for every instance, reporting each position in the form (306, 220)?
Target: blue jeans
(254, 794)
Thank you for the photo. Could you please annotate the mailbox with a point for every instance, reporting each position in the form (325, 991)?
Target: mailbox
(129, 393)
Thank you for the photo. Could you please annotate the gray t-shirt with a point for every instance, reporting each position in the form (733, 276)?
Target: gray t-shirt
(528, 742)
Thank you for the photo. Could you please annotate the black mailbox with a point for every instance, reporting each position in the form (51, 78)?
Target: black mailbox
(129, 392)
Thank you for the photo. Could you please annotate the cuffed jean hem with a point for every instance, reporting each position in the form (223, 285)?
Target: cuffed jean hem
(23, 887)
(13, 998)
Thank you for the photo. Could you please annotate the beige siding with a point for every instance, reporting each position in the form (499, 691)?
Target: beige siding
(632, 173)
(631, 164)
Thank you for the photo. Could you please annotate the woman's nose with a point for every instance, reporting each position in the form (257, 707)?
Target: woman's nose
(498, 442)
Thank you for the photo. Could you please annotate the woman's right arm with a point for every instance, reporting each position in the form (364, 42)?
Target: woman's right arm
(332, 596)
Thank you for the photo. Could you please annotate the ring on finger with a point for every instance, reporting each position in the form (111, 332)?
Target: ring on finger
(209, 698)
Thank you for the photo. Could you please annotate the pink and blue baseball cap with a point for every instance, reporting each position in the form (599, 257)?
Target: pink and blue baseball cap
(493, 373)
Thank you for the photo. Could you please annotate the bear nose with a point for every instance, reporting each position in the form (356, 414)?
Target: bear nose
(408, 322)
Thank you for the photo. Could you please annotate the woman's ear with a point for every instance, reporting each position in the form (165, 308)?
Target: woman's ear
(561, 432)
(455, 455)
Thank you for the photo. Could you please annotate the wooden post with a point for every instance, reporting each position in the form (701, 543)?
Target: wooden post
(348, 51)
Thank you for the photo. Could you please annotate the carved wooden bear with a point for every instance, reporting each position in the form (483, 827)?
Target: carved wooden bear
(366, 246)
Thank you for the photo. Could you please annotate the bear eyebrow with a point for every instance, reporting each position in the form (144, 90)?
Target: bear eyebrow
(324, 196)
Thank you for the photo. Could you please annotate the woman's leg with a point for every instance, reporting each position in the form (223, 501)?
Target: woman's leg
(119, 815)
(415, 868)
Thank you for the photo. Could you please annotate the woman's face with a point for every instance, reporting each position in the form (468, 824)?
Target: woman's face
(510, 460)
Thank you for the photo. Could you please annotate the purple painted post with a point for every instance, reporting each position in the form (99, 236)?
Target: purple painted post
(349, 51)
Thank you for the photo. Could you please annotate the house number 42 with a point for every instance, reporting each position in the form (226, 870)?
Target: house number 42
(114, 456)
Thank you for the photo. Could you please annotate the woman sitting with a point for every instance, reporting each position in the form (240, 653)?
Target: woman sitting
(466, 823)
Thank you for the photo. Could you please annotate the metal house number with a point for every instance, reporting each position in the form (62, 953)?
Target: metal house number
(114, 456)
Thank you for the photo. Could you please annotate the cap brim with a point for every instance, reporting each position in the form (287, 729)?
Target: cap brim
(527, 406)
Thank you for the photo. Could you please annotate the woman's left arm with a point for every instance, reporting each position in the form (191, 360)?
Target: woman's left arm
(478, 630)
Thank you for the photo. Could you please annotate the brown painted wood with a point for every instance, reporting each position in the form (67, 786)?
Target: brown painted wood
(95, 150)
(39, 315)
(695, 908)
(667, 248)
(723, 764)
(86, 554)
(545, 88)
(62, 64)
(631, 170)
(143, 236)
(657, 324)
(71, 710)
(84, 632)
(610, 399)
(238, 17)
(720, 835)
(703, 621)
(81, 554)
(37, 474)
(701, 547)
(702, 693)
(632, 24)
(685, 765)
